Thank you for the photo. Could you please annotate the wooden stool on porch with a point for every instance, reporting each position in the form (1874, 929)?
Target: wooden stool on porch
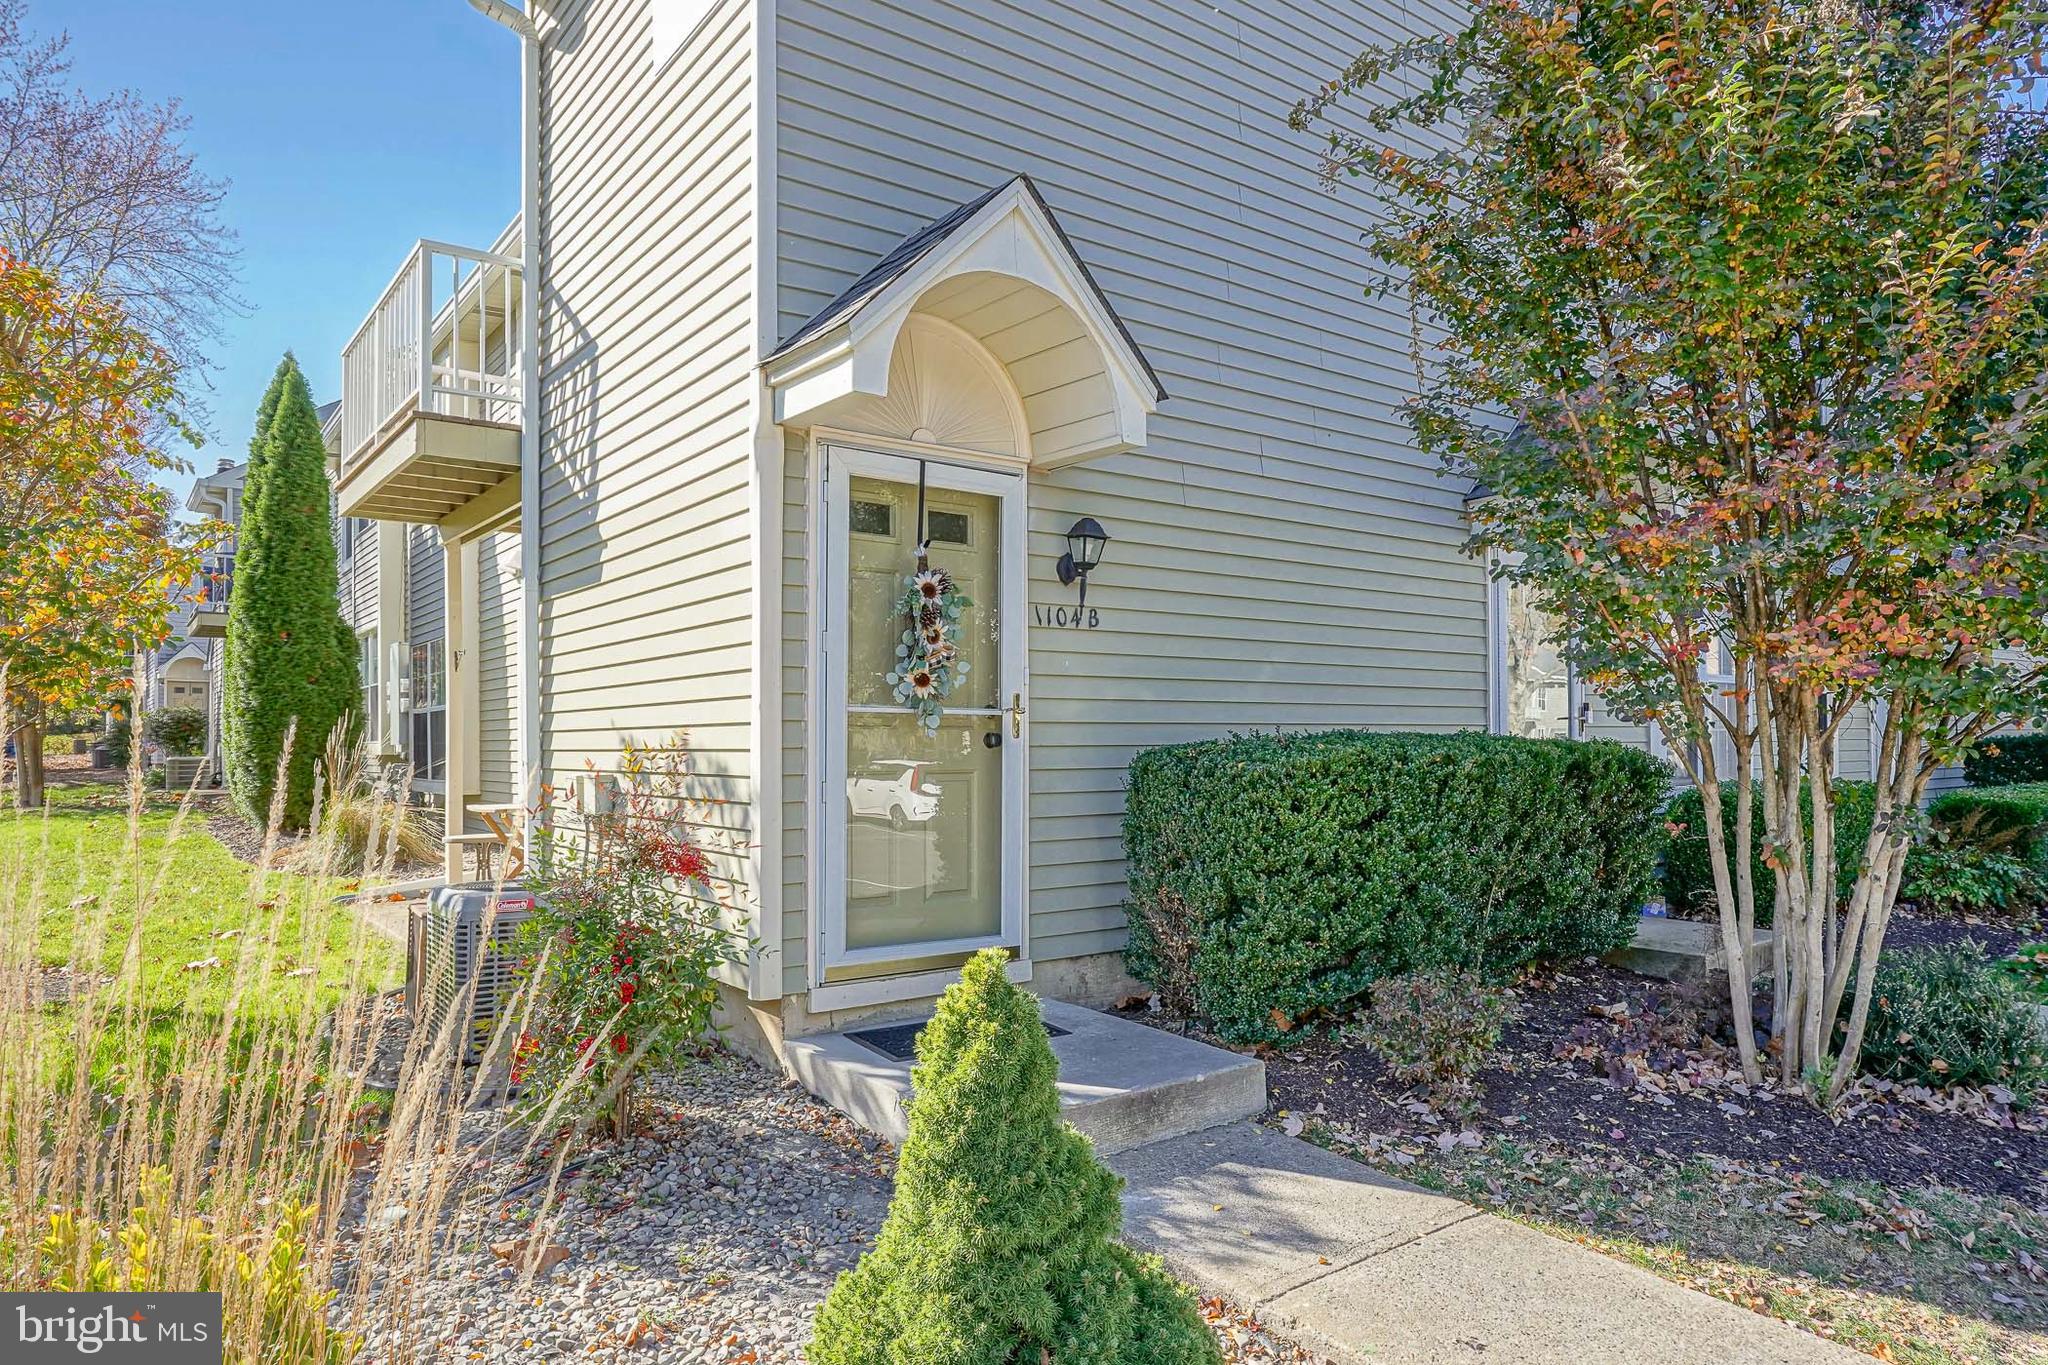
(501, 835)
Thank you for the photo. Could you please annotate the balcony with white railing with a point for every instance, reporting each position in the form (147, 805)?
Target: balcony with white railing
(210, 610)
(431, 400)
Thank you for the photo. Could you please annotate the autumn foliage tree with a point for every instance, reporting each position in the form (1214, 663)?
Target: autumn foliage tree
(91, 565)
(1736, 309)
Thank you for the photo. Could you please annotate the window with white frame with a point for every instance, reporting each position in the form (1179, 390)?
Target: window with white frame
(352, 533)
(428, 742)
(1534, 677)
(370, 674)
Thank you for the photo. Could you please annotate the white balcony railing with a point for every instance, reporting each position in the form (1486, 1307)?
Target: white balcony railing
(444, 339)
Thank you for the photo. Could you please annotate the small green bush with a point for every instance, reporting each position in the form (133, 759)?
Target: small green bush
(1277, 875)
(1947, 877)
(999, 1247)
(2005, 760)
(1689, 870)
(1436, 1030)
(119, 739)
(2028, 967)
(1950, 1016)
(2012, 819)
(180, 729)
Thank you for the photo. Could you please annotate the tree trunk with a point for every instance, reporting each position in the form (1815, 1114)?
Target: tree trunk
(621, 1118)
(1734, 950)
(28, 768)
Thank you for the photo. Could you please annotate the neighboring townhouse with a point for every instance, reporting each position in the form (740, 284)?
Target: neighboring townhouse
(217, 496)
(176, 673)
(1540, 695)
(817, 281)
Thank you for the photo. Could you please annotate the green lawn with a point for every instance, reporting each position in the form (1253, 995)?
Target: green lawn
(196, 902)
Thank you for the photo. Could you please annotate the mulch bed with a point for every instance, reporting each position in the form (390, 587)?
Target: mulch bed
(1551, 1080)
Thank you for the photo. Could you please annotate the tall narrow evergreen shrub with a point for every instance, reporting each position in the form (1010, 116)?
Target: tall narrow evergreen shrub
(999, 1248)
(247, 533)
(288, 666)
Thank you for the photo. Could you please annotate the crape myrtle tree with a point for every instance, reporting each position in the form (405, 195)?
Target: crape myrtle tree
(1737, 309)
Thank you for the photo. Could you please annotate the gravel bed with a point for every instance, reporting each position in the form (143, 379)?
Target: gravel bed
(711, 1236)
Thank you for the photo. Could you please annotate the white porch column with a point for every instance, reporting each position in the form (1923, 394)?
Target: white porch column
(459, 559)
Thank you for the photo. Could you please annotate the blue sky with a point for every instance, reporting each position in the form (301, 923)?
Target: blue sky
(347, 131)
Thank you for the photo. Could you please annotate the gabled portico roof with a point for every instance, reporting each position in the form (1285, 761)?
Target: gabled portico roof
(948, 270)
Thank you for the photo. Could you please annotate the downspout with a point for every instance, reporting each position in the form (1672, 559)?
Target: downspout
(524, 25)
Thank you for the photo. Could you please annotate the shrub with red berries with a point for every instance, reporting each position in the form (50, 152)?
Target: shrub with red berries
(627, 932)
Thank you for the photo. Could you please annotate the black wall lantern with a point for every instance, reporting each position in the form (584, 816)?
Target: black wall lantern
(1085, 539)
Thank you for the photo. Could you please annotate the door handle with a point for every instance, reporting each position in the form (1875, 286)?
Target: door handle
(1016, 715)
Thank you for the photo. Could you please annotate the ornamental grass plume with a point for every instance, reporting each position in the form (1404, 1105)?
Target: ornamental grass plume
(192, 1108)
(999, 1246)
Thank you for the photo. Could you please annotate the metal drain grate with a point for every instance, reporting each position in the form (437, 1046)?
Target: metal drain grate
(898, 1042)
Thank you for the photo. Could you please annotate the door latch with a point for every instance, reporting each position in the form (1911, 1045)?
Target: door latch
(1016, 715)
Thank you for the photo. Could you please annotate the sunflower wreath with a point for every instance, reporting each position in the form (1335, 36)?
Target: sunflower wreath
(928, 662)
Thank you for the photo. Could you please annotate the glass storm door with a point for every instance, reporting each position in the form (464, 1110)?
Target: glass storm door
(923, 832)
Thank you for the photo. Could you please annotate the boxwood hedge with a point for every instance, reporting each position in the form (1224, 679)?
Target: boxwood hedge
(1275, 875)
(2013, 819)
(1689, 874)
(2002, 760)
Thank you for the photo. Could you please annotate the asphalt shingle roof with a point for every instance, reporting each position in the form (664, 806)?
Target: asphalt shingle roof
(902, 258)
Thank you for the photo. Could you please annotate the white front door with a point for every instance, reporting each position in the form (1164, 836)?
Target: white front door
(922, 853)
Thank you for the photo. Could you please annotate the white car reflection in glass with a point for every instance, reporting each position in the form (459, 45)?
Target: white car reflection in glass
(893, 789)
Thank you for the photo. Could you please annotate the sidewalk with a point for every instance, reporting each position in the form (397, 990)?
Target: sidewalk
(1364, 1268)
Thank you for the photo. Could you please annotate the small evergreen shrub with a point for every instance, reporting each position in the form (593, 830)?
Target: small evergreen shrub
(1949, 1016)
(2005, 760)
(1436, 1030)
(1689, 869)
(999, 1247)
(181, 730)
(1945, 877)
(2012, 819)
(1277, 875)
(119, 739)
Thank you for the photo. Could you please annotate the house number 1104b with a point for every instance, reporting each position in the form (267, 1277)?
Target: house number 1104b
(1070, 618)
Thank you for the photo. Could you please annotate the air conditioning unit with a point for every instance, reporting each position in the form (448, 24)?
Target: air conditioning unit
(464, 935)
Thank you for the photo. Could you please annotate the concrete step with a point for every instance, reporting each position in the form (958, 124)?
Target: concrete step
(1686, 950)
(1121, 1083)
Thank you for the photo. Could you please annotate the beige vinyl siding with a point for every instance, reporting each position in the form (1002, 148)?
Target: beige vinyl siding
(646, 353)
(1281, 554)
(359, 579)
(498, 598)
(426, 586)
(1946, 779)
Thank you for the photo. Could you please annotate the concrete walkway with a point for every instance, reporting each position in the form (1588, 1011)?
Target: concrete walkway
(1365, 1268)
